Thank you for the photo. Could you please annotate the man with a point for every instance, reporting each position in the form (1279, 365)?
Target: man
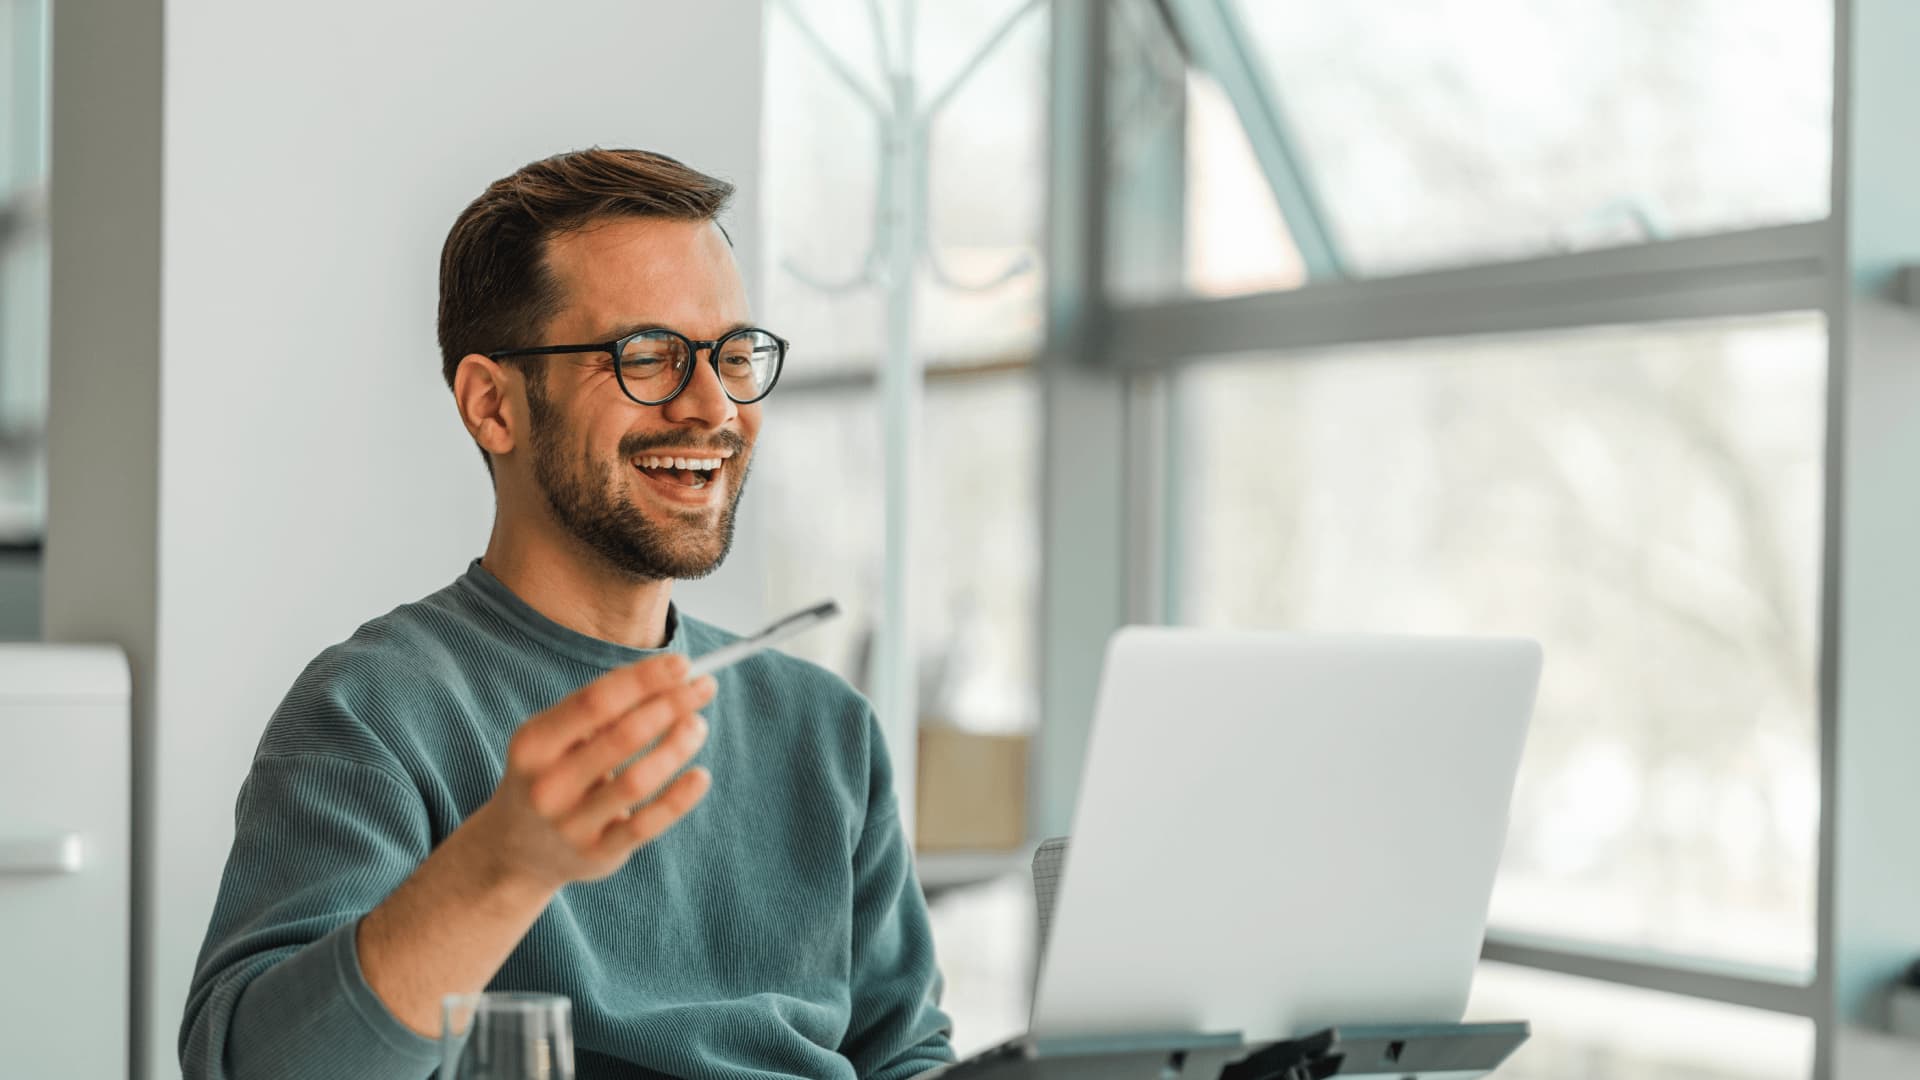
(439, 807)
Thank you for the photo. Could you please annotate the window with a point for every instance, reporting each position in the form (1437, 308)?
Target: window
(1440, 133)
(1624, 457)
(833, 147)
(820, 506)
(1584, 1028)
(976, 571)
(1378, 139)
(1504, 317)
(1647, 503)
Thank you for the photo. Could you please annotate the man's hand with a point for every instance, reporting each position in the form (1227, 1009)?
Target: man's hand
(563, 813)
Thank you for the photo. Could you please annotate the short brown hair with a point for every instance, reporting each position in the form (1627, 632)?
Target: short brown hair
(496, 291)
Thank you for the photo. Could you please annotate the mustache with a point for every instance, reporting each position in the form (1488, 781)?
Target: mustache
(639, 443)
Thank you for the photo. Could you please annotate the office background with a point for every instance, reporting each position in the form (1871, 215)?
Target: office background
(1582, 319)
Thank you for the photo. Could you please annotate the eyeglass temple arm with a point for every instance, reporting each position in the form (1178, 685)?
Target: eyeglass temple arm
(553, 350)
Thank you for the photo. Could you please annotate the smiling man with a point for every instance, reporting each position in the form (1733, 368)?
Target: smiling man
(439, 805)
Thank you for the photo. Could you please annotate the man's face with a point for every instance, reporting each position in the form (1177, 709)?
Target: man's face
(589, 440)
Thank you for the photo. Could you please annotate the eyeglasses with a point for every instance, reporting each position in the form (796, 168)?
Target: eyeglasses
(654, 366)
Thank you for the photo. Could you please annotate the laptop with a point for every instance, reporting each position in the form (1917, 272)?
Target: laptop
(1278, 834)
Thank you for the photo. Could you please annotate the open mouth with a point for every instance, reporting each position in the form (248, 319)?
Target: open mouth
(687, 472)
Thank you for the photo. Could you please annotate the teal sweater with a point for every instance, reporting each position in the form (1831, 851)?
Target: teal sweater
(777, 931)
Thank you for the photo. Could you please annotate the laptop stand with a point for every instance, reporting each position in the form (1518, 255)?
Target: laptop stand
(1422, 1052)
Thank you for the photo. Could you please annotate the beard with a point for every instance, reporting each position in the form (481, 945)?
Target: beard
(587, 498)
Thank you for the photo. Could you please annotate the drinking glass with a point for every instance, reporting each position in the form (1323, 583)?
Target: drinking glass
(506, 1036)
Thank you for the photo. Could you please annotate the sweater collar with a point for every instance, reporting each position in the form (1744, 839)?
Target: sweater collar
(492, 593)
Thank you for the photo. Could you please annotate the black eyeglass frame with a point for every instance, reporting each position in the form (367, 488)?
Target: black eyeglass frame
(619, 345)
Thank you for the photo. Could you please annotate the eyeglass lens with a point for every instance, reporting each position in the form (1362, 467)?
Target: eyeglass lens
(653, 364)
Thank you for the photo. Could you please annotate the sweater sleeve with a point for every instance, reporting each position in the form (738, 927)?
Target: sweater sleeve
(896, 1030)
(278, 992)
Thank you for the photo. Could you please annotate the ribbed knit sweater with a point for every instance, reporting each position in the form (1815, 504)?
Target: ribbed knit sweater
(777, 931)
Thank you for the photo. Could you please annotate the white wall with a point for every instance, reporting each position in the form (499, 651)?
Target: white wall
(248, 215)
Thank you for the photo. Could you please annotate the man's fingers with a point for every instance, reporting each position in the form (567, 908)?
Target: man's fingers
(564, 781)
(661, 814)
(642, 780)
(577, 716)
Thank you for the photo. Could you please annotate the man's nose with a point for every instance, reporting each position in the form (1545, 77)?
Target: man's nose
(703, 401)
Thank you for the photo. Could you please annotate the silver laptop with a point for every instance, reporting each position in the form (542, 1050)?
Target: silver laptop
(1277, 834)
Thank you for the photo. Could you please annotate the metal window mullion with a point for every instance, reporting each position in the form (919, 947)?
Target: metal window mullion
(1748, 987)
(1755, 272)
(26, 47)
(1083, 498)
(1826, 1016)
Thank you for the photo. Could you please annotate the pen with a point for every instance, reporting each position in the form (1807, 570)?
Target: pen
(778, 631)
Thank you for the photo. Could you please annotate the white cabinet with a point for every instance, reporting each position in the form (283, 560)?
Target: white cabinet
(65, 787)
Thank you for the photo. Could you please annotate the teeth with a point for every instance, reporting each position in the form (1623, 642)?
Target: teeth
(703, 464)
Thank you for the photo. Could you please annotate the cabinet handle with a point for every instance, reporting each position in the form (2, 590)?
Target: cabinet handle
(42, 856)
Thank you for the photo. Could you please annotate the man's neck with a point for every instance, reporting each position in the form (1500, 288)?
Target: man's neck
(575, 589)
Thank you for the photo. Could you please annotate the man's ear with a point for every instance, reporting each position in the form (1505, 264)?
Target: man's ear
(483, 391)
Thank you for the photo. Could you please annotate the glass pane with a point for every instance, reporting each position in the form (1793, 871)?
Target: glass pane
(1237, 242)
(982, 289)
(822, 515)
(1601, 1031)
(974, 286)
(817, 208)
(976, 568)
(984, 937)
(1647, 503)
(1444, 132)
(977, 579)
